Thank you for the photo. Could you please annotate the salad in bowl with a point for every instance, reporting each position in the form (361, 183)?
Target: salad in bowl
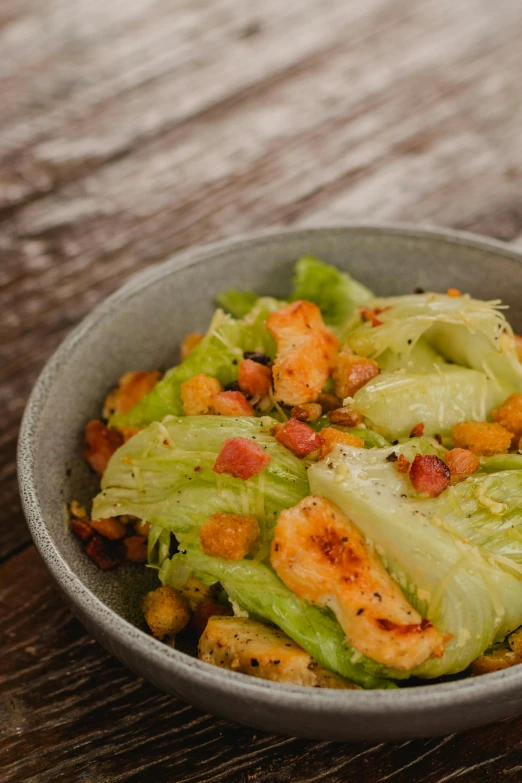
(329, 487)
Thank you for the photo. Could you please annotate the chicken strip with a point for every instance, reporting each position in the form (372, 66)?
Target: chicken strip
(322, 557)
(306, 351)
(253, 648)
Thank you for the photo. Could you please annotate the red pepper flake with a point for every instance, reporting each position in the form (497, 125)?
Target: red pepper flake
(299, 438)
(429, 474)
(418, 430)
(242, 458)
(403, 464)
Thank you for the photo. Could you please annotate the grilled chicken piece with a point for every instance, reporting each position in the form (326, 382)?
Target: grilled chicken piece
(250, 647)
(306, 351)
(322, 557)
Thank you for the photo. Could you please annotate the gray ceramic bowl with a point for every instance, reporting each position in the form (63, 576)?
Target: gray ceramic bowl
(141, 327)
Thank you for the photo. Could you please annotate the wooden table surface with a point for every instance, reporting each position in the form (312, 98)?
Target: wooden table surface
(134, 128)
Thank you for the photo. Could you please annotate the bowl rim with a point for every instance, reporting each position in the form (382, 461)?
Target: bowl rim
(363, 703)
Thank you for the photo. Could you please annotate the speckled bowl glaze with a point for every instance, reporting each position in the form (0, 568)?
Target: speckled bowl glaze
(140, 327)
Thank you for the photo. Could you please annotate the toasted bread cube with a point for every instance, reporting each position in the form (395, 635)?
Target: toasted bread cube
(481, 438)
(515, 641)
(78, 510)
(100, 444)
(166, 611)
(132, 388)
(197, 394)
(229, 536)
(189, 343)
(142, 527)
(250, 647)
(109, 527)
(509, 415)
(135, 549)
(495, 661)
(333, 437)
(351, 373)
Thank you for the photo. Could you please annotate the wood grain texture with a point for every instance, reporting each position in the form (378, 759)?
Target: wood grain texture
(132, 129)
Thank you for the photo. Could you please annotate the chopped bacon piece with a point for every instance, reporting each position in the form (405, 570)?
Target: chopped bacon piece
(189, 343)
(132, 387)
(197, 394)
(135, 549)
(229, 536)
(204, 611)
(509, 415)
(352, 372)
(100, 445)
(482, 438)
(462, 463)
(82, 529)
(454, 292)
(109, 527)
(418, 430)
(429, 474)
(255, 379)
(232, 403)
(332, 437)
(242, 458)
(345, 417)
(371, 315)
(403, 464)
(308, 411)
(98, 552)
(299, 438)
(328, 402)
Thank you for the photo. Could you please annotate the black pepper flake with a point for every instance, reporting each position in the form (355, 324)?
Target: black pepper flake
(256, 356)
(419, 290)
(395, 442)
(410, 342)
(233, 386)
(276, 662)
(254, 662)
(392, 457)
(197, 468)
(378, 596)
(438, 438)
(359, 611)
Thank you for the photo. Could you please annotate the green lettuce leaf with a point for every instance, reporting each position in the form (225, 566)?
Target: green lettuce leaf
(218, 355)
(335, 292)
(237, 303)
(455, 557)
(260, 592)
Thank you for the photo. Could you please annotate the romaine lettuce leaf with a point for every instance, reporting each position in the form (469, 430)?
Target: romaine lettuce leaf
(218, 355)
(237, 303)
(336, 293)
(164, 475)
(393, 402)
(257, 589)
(459, 571)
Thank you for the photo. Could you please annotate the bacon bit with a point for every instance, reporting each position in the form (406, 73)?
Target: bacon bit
(461, 463)
(418, 430)
(299, 438)
(333, 437)
(197, 394)
(482, 438)
(351, 373)
(97, 551)
(231, 403)
(229, 536)
(132, 388)
(135, 549)
(100, 445)
(403, 464)
(518, 346)
(141, 527)
(453, 292)
(328, 402)
(82, 529)
(189, 343)
(429, 474)
(204, 611)
(109, 527)
(255, 379)
(345, 417)
(308, 411)
(509, 415)
(242, 458)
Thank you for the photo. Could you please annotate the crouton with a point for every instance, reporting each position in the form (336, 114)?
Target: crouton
(82, 529)
(306, 351)
(494, 661)
(308, 411)
(166, 611)
(509, 415)
(109, 527)
(462, 463)
(345, 417)
(197, 394)
(453, 292)
(515, 641)
(142, 527)
(78, 510)
(135, 549)
(351, 373)
(132, 387)
(250, 647)
(481, 438)
(332, 437)
(229, 536)
(189, 342)
(100, 445)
